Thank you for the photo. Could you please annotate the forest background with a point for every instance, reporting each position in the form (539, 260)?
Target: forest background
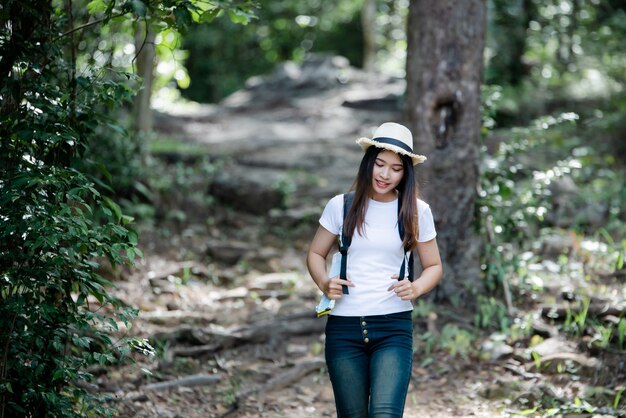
(115, 216)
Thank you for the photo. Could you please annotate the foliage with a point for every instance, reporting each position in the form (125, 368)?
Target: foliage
(222, 56)
(556, 54)
(60, 224)
(510, 206)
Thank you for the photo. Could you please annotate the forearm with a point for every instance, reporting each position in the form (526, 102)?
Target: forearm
(429, 278)
(317, 269)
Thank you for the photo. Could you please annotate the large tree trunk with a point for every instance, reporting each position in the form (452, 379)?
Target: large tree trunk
(444, 70)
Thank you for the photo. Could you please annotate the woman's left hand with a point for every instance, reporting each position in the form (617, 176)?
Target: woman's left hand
(405, 289)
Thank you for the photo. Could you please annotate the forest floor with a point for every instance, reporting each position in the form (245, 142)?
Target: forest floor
(225, 299)
(273, 366)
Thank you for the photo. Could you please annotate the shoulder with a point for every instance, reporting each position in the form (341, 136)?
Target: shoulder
(334, 205)
(421, 205)
(336, 201)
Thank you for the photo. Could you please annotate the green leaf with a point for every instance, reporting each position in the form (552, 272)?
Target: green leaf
(113, 323)
(238, 16)
(208, 16)
(58, 374)
(114, 207)
(183, 16)
(130, 254)
(132, 237)
(117, 128)
(96, 6)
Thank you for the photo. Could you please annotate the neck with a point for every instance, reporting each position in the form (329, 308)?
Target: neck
(387, 197)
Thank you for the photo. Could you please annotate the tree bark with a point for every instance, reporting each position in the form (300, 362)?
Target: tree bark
(444, 72)
(368, 23)
(144, 45)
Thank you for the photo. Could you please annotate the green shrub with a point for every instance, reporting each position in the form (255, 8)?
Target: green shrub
(58, 218)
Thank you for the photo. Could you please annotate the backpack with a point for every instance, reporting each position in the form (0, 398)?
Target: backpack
(345, 239)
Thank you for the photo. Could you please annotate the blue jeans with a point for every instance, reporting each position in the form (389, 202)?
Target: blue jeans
(369, 361)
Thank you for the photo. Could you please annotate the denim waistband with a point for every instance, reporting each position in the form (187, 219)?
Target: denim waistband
(406, 315)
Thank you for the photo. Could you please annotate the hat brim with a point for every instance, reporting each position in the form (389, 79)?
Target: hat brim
(365, 143)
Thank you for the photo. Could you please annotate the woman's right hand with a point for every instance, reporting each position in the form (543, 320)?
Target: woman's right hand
(333, 287)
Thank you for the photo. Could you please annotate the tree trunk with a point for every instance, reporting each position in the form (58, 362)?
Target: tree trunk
(368, 23)
(144, 45)
(444, 70)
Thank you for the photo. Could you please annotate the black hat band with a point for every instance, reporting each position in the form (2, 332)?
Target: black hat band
(394, 142)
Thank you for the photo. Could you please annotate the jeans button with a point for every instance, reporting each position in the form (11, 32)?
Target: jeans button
(364, 331)
(367, 340)
(364, 323)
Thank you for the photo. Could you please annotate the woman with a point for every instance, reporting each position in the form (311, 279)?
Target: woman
(369, 334)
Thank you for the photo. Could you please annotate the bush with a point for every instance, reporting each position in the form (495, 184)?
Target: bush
(59, 96)
(55, 311)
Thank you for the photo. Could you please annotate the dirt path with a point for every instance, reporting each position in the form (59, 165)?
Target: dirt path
(442, 385)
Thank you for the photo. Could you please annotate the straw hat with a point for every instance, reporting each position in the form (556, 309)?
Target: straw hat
(393, 137)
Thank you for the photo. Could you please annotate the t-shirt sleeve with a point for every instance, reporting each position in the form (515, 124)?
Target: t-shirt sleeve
(332, 216)
(426, 222)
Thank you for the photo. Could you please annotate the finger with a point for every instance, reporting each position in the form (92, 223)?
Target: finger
(394, 277)
(394, 287)
(344, 282)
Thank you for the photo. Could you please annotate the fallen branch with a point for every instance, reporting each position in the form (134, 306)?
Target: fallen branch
(186, 381)
(176, 269)
(549, 362)
(520, 371)
(214, 338)
(170, 317)
(595, 310)
(287, 378)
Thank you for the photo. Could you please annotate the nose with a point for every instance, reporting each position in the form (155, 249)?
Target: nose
(384, 173)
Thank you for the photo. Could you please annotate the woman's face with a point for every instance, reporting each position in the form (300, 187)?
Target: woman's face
(387, 174)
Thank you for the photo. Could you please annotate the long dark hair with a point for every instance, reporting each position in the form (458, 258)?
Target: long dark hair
(407, 193)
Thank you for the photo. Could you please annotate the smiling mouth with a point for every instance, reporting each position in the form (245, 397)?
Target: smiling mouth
(382, 184)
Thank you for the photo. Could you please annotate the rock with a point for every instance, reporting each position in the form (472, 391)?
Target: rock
(561, 187)
(560, 362)
(536, 395)
(552, 346)
(295, 216)
(229, 252)
(250, 193)
(569, 207)
(496, 347)
(496, 351)
(543, 329)
(556, 355)
(318, 71)
(554, 245)
(499, 390)
(274, 281)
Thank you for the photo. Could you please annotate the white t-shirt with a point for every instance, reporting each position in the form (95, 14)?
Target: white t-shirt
(375, 257)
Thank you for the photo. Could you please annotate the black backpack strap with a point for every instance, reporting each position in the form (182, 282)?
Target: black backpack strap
(345, 239)
(403, 268)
